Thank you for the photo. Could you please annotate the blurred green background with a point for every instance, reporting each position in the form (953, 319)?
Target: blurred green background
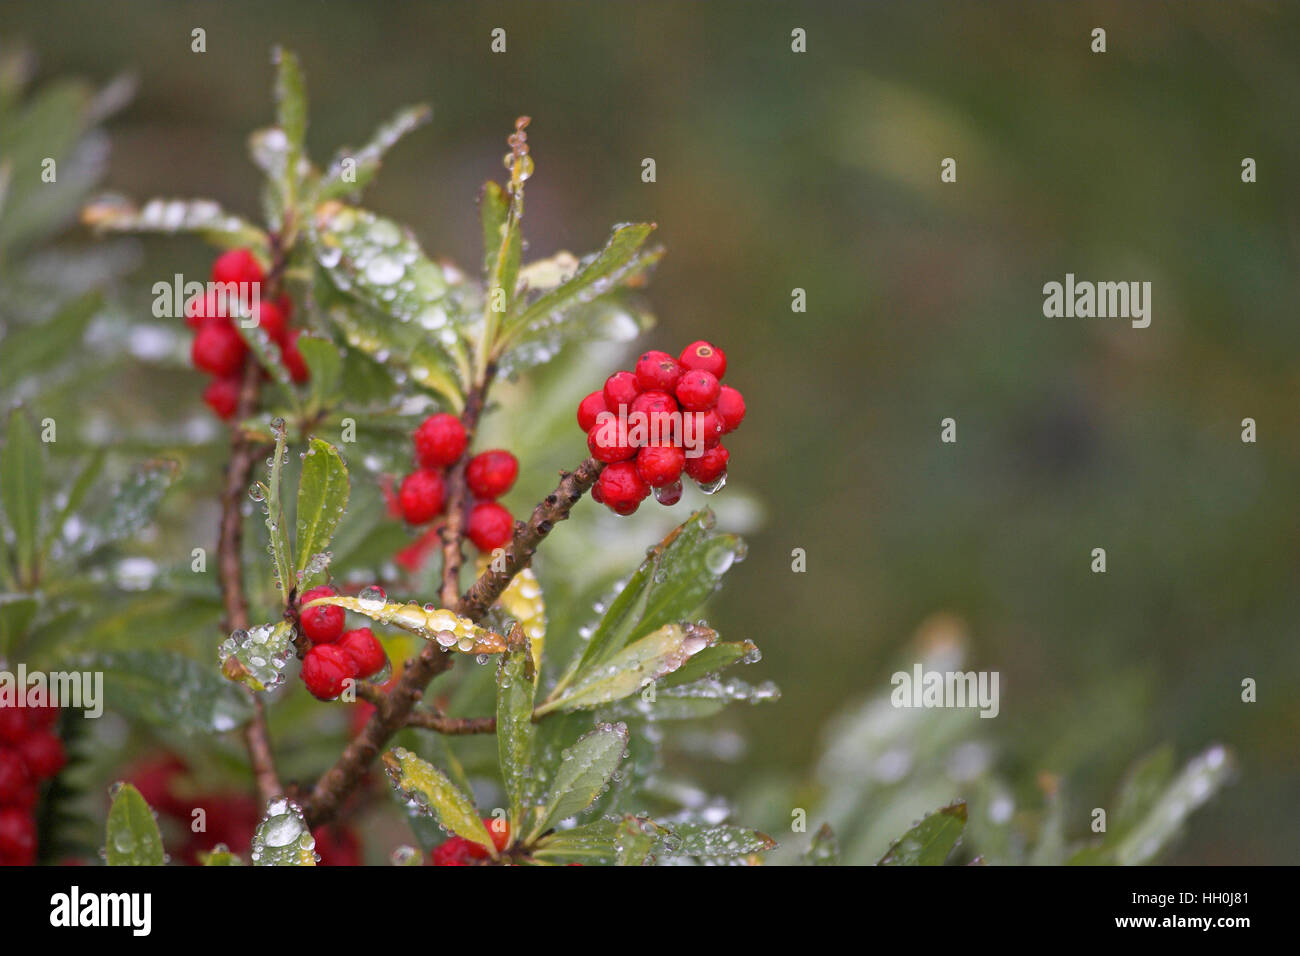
(821, 171)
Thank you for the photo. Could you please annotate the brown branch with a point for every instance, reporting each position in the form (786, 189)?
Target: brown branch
(519, 553)
(244, 451)
(453, 726)
(453, 528)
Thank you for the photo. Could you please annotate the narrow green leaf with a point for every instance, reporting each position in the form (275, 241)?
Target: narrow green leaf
(291, 105)
(515, 728)
(168, 689)
(132, 837)
(713, 659)
(202, 217)
(632, 668)
(17, 611)
(931, 841)
(325, 364)
(76, 496)
(493, 209)
(825, 848)
(126, 508)
(323, 493)
(257, 657)
(1200, 780)
(584, 773)
(430, 788)
(275, 526)
(22, 477)
(219, 856)
(28, 350)
(282, 838)
(365, 162)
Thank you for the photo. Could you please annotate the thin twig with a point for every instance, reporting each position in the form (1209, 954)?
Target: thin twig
(453, 726)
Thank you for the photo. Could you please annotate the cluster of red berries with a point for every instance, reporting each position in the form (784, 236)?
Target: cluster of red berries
(336, 655)
(666, 417)
(219, 349)
(440, 441)
(229, 818)
(461, 852)
(30, 752)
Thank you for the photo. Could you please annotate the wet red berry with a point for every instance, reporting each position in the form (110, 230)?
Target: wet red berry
(710, 466)
(237, 265)
(607, 442)
(589, 408)
(453, 852)
(323, 624)
(324, 670)
(490, 526)
(222, 396)
(697, 391)
(657, 371)
(365, 650)
(491, 474)
(730, 408)
(218, 349)
(440, 440)
(273, 320)
(421, 496)
(620, 389)
(660, 465)
(705, 357)
(622, 487)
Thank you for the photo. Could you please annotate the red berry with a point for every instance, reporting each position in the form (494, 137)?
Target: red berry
(211, 306)
(490, 474)
(698, 390)
(324, 670)
(623, 489)
(499, 830)
(657, 371)
(237, 265)
(43, 754)
(13, 725)
(596, 494)
(620, 389)
(222, 396)
(292, 358)
(705, 357)
(322, 624)
(14, 776)
(218, 349)
(43, 717)
(365, 650)
(730, 408)
(272, 320)
(337, 846)
(705, 429)
(589, 408)
(606, 444)
(669, 495)
(660, 465)
(439, 441)
(421, 496)
(656, 413)
(17, 833)
(453, 852)
(490, 526)
(710, 466)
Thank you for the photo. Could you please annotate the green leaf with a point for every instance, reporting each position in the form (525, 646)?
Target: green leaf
(31, 349)
(493, 209)
(635, 839)
(282, 838)
(705, 839)
(515, 728)
(291, 113)
(219, 856)
(257, 657)
(132, 837)
(22, 478)
(825, 848)
(621, 260)
(430, 788)
(632, 668)
(701, 698)
(588, 843)
(325, 364)
(713, 659)
(675, 579)
(584, 773)
(930, 841)
(323, 493)
(1200, 780)
(76, 496)
(202, 217)
(126, 508)
(275, 526)
(367, 160)
(17, 611)
(168, 689)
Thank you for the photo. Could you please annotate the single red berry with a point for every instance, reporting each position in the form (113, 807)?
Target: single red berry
(272, 320)
(322, 624)
(237, 265)
(490, 526)
(439, 441)
(705, 357)
(710, 466)
(324, 670)
(605, 442)
(698, 390)
(656, 413)
(421, 496)
(211, 306)
(337, 846)
(499, 830)
(27, 797)
(620, 389)
(218, 349)
(292, 358)
(14, 776)
(17, 833)
(13, 725)
(222, 396)
(660, 465)
(596, 494)
(453, 852)
(705, 428)
(365, 650)
(669, 495)
(491, 474)
(43, 754)
(623, 489)
(589, 408)
(730, 408)
(657, 371)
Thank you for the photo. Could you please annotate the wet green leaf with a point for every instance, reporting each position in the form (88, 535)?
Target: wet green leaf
(588, 843)
(1200, 779)
(433, 624)
(291, 114)
(220, 857)
(132, 837)
(325, 365)
(126, 508)
(931, 841)
(28, 350)
(323, 493)
(715, 840)
(22, 478)
(282, 838)
(257, 657)
(515, 728)
(825, 848)
(711, 660)
(168, 689)
(584, 773)
(430, 788)
(635, 839)
(365, 162)
(202, 217)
